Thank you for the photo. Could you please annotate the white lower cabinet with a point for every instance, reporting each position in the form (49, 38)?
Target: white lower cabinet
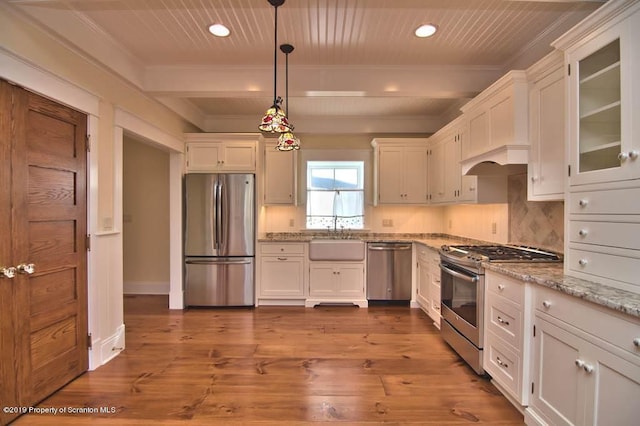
(282, 273)
(586, 364)
(507, 321)
(336, 282)
(428, 282)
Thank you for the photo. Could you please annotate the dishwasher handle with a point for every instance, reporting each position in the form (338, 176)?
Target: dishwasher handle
(388, 247)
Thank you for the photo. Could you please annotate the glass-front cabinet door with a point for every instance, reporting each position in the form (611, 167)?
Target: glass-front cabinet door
(601, 98)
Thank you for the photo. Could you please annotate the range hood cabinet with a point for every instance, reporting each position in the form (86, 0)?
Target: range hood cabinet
(504, 161)
(498, 132)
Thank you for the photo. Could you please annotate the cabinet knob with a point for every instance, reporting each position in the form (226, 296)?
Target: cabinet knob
(9, 272)
(588, 368)
(636, 342)
(583, 203)
(501, 287)
(623, 157)
(26, 268)
(583, 262)
(579, 363)
(546, 304)
(583, 232)
(534, 178)
(633, 154)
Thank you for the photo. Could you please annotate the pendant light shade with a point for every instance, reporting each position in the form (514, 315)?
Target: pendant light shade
(275, 119)
(287, 140)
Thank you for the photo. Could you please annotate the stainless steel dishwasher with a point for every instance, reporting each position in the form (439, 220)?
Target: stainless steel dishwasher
(389, 271)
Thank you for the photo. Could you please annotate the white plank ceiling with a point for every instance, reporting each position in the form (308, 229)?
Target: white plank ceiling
(356, 62)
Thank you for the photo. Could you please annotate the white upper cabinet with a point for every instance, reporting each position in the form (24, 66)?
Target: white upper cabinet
(279, 176)
(400, 170)
(547, 117)
(498, 123)
(603, 64)
(602, 61)
(221, 152)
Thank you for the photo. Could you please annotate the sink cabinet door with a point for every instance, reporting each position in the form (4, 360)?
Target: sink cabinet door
(322, 280)
(331, 280)
(350, 281)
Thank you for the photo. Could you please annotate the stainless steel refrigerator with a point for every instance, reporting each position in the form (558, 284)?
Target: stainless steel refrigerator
(219, 230)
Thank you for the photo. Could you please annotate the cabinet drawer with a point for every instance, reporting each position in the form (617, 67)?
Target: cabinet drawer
(613, 234)
(282, 248)
(503, 365)
(618, 329)
(613, 201)
(506, 287)
(604, 266)
(505, 320)
(425, 254)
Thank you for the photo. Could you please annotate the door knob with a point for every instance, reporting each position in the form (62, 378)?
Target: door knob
(9, 272)
(26, 268)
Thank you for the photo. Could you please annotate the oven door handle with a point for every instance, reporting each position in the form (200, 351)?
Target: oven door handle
(473, 279)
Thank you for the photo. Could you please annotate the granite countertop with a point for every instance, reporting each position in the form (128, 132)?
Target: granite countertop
(552, 275)
(549, 275)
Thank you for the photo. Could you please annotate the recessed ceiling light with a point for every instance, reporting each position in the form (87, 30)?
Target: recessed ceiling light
(219, 30)
(426, 30)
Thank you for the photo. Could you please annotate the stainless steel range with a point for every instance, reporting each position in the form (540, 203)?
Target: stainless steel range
(462, 292)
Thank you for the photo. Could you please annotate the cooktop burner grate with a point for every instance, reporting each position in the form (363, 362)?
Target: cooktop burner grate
(508, 253)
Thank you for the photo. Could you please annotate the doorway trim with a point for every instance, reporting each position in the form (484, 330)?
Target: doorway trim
(126, 121)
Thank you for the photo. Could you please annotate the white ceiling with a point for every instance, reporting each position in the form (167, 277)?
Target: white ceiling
(356, 62)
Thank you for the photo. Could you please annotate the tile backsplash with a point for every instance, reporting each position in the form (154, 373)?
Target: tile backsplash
(534, 223)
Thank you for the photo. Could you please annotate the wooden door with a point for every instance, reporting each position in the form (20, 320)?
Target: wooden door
(47, 228)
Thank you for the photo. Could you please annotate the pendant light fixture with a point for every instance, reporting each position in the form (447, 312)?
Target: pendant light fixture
(287, 140)
(275, 119)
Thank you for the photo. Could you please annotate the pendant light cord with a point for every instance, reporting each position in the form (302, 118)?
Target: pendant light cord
(275, 59)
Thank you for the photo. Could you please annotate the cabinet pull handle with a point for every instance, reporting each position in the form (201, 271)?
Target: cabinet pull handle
(282, 258)
(501, 321)
(501, 363)
(546, 304)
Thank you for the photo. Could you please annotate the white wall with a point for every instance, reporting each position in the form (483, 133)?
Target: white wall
(35, 60)
(145, 223)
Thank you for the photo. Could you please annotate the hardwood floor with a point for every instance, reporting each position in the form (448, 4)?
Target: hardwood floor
(279, 366)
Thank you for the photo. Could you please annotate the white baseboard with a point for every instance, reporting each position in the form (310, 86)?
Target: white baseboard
(146, 287)
(113, 345)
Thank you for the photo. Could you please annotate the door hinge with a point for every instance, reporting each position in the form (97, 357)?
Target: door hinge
(88, 142)
(88, 242)
(89, 341)
(532, 386)
(569, 69)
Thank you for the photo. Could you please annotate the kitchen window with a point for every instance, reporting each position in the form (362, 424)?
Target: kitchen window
(335, 194)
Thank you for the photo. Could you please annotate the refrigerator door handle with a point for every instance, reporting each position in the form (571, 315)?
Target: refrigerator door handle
(219, 262)
(216, 215)
(221, 208)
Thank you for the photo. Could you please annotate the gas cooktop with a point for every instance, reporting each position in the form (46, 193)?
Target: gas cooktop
(500, 253)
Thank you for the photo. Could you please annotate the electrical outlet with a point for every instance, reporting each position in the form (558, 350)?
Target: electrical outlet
(387, 223)
(494, 227)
